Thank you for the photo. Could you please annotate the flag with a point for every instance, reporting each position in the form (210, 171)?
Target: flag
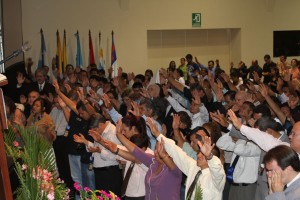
(113, 56)
(58, 54)
(43, 61)
(91, 50)
(101, 57)
(64, 59)
(78, 54)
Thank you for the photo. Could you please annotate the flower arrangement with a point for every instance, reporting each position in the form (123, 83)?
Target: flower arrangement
(35, 166)
(87, 193)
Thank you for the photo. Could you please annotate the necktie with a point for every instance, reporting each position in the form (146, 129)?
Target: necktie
(126, 179)
(41, 88)
(193, 185)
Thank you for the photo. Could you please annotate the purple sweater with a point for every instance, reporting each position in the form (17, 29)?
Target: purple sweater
(164, 186)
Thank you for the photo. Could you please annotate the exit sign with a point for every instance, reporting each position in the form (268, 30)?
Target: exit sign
(196, 19)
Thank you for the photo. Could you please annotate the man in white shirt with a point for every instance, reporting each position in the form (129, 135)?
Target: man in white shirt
(246, 169)
(283, 168)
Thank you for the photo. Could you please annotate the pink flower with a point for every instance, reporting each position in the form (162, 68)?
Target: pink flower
(87, 189)
(24, 167)
(50, 196)
(16, 144)
(100, 198)
(77, 186)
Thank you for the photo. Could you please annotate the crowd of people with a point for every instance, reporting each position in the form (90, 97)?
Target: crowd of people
(184, 132)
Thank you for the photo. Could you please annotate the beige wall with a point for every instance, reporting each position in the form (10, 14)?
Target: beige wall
(12, 29)
(130, 19)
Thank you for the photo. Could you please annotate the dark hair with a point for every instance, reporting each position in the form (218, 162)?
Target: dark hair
(189, 56)
(214, 131)
(94, 70)
(80, 105)
(10, 104)
(141, 77)
(140, 140)
(211, 62)
(149, 71)
(251, 105)
(95, 77)
(73, 95)
(231, 94)
(180, 72)
(137, 85)
(284, 156)
(267, 56)
(41, 70)
(96, 119)
(124, 76)
(196, 86)
(138, 122)
(263, 109)
(265, 122)
(114, 93)
(185, 118)
(43, 103)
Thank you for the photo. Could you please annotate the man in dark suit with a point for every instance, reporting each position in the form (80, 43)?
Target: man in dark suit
(41, 84)
(283, 166)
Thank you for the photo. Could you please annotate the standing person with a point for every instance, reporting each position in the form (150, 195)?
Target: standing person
(108, 175)
(207, 172)
(183, 67)
(163, 177)
(283, 166)
(78, 122)
(61, 153)
(133, 186)
(266, 72)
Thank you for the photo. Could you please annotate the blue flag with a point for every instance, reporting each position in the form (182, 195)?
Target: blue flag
(43, 61)
(78, 54)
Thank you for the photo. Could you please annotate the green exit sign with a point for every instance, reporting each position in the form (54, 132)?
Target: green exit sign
(196, 19)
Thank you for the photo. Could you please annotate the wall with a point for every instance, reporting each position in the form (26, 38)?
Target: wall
(131, 19)
(12, 29)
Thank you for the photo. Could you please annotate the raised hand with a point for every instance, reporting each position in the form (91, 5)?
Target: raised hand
(61, 103)
(263, 90)
(225, 77)
(219, 118)
(152, 127)
(56, 86)
(110, 146)
(120, 71)
(119, 127)
(219, 95)
(176, 121)
(80, 139)
(236, 122)
(95, 135)
(106, 101)
(68, 87)
(205, 146)
(161, 150)
(136, 109)
(80, 94)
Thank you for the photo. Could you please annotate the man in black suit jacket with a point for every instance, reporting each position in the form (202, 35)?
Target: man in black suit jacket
(41, 84)
(283, 166)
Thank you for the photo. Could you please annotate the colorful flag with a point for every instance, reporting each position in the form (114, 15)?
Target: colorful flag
(64, 59)
(58, 54)
(78, 54)
(43, 61)
(101, 57)
(113, 56)
(91, 50)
